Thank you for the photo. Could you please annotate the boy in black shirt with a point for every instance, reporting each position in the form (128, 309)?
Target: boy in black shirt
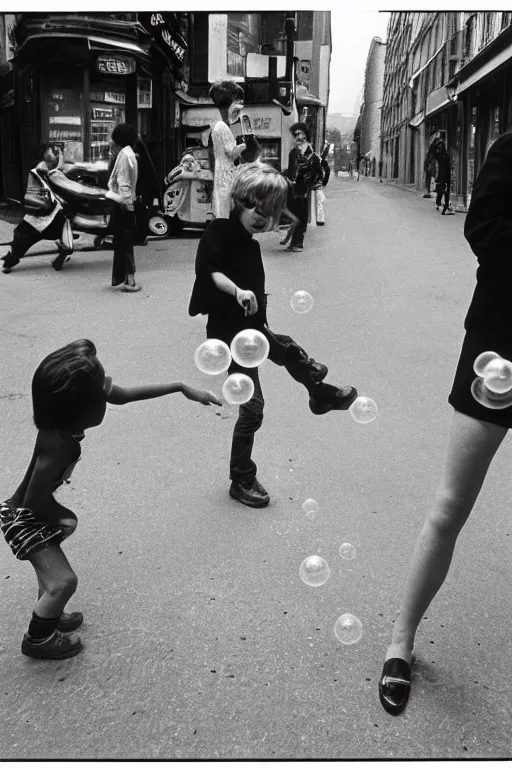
(230, 288)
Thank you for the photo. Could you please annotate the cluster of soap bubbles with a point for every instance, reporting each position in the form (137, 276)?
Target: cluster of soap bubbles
(249, 349)
(315, 572)
(493, 386)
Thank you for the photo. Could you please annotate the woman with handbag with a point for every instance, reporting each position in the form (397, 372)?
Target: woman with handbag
(122, 186)
(45, 219)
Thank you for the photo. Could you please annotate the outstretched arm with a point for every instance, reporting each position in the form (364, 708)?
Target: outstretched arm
(122, 395)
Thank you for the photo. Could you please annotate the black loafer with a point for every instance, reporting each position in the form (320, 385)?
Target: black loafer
(395, 685)
(331, 398)
(252, 494)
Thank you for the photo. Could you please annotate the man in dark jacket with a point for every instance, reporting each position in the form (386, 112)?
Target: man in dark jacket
(305, 174)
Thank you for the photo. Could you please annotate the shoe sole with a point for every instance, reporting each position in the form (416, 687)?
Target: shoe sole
(71, 652)
(255, 505)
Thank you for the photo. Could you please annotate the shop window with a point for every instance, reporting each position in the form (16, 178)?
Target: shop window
(107, 108)
(243, 38)
(62, 114)
(144, 93)
(305, 25)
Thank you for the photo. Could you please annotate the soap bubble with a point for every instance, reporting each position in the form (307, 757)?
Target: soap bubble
(212, 357)
(347, 551)
(363, 410)
(238, 388)
(348, 629)
(314, 571)
(310, 507)
(301, 302)
(497, 375)
(482, 360)
(490, 399)
(250, 348)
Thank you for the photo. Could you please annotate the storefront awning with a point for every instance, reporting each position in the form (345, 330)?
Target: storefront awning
(104, 43)
(486, 69)
(93, 42)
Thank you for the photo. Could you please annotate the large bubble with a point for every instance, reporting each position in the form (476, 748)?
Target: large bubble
(250, 348)
(489, 399)
(212, 357)
(497, 375)
(238, 388)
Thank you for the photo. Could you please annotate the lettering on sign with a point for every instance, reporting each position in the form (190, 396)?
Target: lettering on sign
(65, 120)
(116, 98)
(262, 123)
(115, 65)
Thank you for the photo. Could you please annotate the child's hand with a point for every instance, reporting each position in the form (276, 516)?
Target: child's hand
(248, 301)
(200, 395)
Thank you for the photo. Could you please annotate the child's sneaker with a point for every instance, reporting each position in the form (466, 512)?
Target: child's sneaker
(68, 622)
(57, 646)
(338, 400)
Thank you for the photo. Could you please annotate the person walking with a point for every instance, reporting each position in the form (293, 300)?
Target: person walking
(476, 431)
(320, 194)
(45, 219)
(122, 186)
(305, 173)
(228, 97)
(443, 180)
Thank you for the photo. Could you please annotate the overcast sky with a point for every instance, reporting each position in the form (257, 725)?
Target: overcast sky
(352, 33)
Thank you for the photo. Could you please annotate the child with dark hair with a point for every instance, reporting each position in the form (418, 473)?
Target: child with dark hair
(70, 393)
(228, 97)
(230, 289)
(43, 224)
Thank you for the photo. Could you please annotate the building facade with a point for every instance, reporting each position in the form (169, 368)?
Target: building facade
(368, 134)
(280, 58)
(446, 74)
(72, 77)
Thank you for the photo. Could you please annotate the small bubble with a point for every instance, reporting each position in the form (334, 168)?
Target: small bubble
(212, 357)
(238, 388)
(347, 551)
(301, 302)
(363, 410)
(348, 629)
(314, 571)
(250, 348)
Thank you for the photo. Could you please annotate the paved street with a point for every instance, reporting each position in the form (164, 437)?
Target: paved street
(201, 639)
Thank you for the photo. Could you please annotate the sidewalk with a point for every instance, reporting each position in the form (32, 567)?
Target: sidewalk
(411, 188)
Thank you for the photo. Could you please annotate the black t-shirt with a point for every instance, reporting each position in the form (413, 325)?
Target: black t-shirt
(488, 230)
(228, 248)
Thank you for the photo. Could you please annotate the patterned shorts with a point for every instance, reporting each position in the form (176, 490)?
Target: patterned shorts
(27, 535)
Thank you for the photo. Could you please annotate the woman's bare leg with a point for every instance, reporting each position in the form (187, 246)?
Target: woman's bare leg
(471, 447)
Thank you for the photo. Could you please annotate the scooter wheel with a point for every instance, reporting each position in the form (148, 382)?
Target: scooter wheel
(157, 225)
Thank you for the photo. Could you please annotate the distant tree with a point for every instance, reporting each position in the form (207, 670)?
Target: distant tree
(333, 135)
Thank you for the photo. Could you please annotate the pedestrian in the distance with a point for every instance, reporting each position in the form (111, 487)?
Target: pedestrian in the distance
(70, 393)
(320, 194)
(122, 186)
(305, 174)
(228, 97)
(443, 180)
(45, 219)
(476, 431)
(230, 289)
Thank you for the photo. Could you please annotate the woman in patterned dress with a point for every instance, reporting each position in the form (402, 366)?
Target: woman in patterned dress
(228, 98)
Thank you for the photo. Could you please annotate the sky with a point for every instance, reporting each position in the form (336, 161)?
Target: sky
(352, 32)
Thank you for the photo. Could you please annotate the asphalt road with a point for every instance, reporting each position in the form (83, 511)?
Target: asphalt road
(201, 639)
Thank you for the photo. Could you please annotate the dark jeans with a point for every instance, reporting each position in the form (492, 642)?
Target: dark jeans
(443, 189)
(25, 236)
(285, 352)
(299, 207)
(123, 227)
